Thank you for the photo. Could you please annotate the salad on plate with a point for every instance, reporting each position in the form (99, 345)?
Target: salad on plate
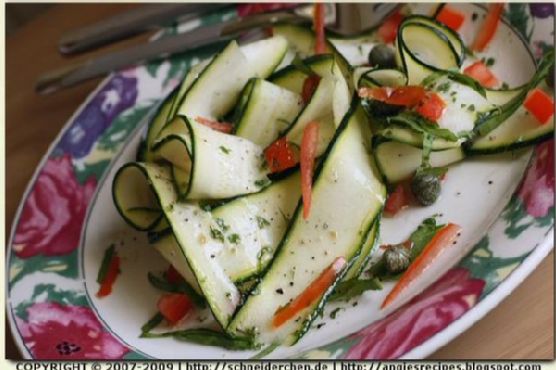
(264, 176)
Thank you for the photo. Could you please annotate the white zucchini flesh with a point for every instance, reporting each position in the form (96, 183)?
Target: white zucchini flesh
(169, 248)
(209, 164)
(334, 229)
(245, 231)
(190, 77)
(419, 58)
(217, 88)
(463, 105)
(398, 161)
(215, 91)
(253, 225)
(268, 111)
(519, 130)
(264, 56)
(189, 224)
(157, 124)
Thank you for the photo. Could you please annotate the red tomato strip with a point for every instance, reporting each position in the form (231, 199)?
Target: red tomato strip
(309, 144)
(280, 156)
(313, 292)
(540, 105)
(110, 277)
(309, 86)
(388, 31)
(451, 17)
(318, 23)
(174, 306)
(443, 239)
(431, 107)
(480, 72)
(224, 127)
(488, 28)
(397, 200)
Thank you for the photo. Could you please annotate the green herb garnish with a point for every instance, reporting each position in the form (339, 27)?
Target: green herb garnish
(216, 234)
(262, 222)
(224, 149)
(181, 287)
(234, 238)
(346, 290)
(105, 264)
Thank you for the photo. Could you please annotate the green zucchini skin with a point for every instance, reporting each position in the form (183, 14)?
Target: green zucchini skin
(117, 203)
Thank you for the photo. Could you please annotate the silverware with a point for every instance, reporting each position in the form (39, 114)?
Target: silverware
(345, 19)
(144, 18)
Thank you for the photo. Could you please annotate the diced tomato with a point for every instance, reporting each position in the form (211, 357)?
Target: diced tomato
(540, 105)
(480, 72)
(309, 144)
(313, 292)
(488, 28)
(110, 277)
(397, 200)
(443, 239)
(376, 93)
(224, 127)
(318, 24)
(172, 275)
(280, 156)
(431, 107)
(388, 31)
(174, 306)
(408, 96)
(309, 86)
(451, 17)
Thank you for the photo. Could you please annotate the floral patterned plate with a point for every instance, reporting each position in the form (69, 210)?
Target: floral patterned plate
(66, 220)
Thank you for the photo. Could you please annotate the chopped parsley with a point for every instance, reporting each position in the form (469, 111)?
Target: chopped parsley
(261, 182)
(234, 238)
(224, 149)
(221, 224)
(216, 234)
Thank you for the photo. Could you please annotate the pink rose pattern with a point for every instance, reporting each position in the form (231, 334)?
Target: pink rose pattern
(56, 332)
(537, 190)
(51, 220)
(425, 315)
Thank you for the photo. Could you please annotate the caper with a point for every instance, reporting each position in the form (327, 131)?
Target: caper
(397, 258)
(382, 56)
(425, 187)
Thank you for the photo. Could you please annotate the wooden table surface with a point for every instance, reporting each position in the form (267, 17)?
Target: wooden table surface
(521, 327)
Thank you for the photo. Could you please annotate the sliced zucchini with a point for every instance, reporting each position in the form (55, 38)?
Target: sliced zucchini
(189, 224)
(264, 56)
(464, 105)
(207, 164)
(370, 245)
(267, 111)
(334, 229)
(328, 105)
(414, 138)
(253, 225)
(215, 91)
(442, 51)
(301, 40)
(169, 248)
(292, 77)
(521, 129)
(378, 77)
(398, 161)
(135, 200)
(190, 77)
(358, 72)
(157, 123)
